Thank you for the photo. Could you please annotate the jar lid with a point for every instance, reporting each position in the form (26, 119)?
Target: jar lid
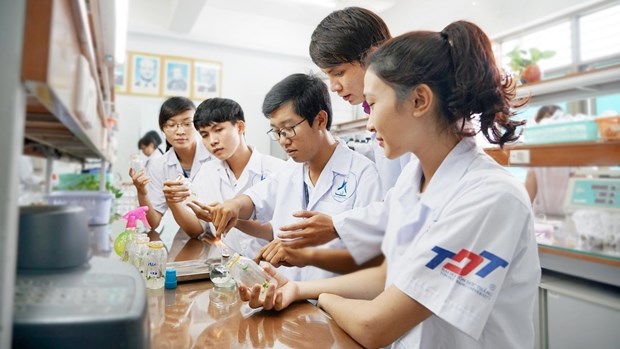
(156, 244)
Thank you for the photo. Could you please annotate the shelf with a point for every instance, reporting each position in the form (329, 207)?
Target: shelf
(566, 154)
(596, 266)
(56, 34)
(349, 127)
(573, 87)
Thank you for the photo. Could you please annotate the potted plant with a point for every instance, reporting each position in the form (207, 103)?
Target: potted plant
(524, 63)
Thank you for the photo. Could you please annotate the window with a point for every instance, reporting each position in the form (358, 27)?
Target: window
(556, 38)
(600, 34)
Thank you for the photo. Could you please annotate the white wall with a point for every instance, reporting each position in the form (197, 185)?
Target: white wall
(246, 77)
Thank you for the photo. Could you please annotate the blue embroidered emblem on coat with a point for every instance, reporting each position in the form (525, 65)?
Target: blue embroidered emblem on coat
(344, 187)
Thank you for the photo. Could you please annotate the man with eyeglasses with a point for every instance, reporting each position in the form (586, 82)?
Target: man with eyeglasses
(323, 175)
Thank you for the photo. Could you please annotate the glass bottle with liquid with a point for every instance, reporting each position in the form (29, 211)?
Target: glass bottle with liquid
(246, 271)
(138, 254)
(155, 265)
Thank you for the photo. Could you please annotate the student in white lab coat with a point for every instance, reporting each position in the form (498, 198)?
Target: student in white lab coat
(461, 267)
(184, 157)
(221, 123)
(340, 45)
(323, 175)
(149, 145)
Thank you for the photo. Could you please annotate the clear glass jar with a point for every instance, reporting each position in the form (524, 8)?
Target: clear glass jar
(138, 253)
(130, 240)
(246, 271)
(136, 163)
(155, 265)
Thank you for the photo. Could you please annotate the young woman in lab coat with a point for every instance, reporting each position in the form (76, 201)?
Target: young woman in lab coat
(221, 123)
(323, 175)
(184, 158)
(461, 268)
(149, 145)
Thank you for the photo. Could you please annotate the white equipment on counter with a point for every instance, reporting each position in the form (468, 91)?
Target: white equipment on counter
(593, 211)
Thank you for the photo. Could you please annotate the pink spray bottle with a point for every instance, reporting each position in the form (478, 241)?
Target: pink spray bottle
(123, 239)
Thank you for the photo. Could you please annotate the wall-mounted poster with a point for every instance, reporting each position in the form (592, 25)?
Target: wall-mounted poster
(145, 74)
(177, 77)
(120, 78)
(207, 82)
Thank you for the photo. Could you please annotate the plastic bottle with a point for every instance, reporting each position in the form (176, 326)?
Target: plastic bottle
(187, 183)
(138, 253)
(246, 271)
(120, 243)
(155, 265)
(135, 163)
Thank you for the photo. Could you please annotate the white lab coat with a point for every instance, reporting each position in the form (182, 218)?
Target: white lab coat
(348, 180)
(168, 167)
(151, 158)
(362, 229)
(215, 182)
(466, 250)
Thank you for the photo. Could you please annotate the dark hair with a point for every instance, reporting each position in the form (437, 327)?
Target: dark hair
(308, 93)
(546, 111)
(151, 137)
(346, 36)
(459, 67)
(172, 107)
(216, 110)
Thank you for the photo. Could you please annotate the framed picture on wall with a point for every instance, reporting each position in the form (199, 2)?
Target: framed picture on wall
(207, 80)
(145, 74)
(120, 78)
(177, 76)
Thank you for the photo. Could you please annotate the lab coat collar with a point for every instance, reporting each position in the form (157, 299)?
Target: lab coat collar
(253, 168)
(453, 167)
(339, 164)
(255, 165)
(340, 161)
(200, 156)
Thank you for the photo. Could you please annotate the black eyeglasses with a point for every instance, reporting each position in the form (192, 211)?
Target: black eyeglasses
(286, 132)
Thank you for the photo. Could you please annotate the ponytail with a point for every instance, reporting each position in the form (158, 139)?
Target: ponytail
(459, 67)
(478, 87)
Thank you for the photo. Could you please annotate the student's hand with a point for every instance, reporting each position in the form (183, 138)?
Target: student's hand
(277, 254)
(201, 210)
(140, 180)
(277, 297)
(315, 229)
(175, 192)
(224, 216)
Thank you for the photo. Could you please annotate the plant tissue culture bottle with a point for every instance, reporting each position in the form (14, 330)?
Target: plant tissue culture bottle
(155, 265)
(246, 271)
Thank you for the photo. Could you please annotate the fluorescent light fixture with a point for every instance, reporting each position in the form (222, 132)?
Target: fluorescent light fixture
(121, 8)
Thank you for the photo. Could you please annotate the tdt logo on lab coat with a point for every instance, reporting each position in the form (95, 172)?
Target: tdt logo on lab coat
(343, 187)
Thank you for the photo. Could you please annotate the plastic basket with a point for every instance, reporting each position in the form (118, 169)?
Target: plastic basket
(97, 204)
(610, 127)
(564, 132)
(69, 181)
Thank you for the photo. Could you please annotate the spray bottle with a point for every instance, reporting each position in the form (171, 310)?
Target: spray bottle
(124, 238)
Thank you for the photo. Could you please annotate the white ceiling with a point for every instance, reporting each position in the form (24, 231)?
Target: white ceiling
(285, 26)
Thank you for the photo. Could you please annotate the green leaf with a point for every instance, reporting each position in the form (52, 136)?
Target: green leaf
(547, 54)
(535, 54)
